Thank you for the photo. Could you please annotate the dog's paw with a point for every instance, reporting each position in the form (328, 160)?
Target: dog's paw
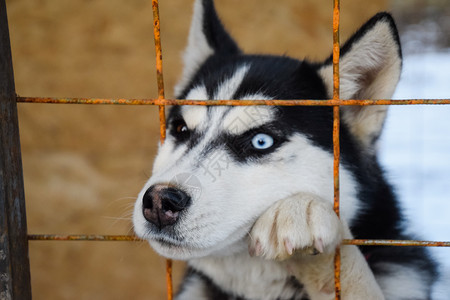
(303, 224)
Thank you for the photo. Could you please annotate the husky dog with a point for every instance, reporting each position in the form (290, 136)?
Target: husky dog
(245, 194)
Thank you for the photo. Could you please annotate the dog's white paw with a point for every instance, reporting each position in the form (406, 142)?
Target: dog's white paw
(303, 224)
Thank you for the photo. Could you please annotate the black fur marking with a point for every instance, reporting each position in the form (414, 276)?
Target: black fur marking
(277, 77)
(416, 258)
(212, 291)
(174, 120)
(281, 77)
(215, 70)
(190, 138)
(241, 149)
(181, 135)
(215, 33)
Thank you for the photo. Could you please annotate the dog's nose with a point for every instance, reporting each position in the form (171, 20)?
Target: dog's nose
(162, 205)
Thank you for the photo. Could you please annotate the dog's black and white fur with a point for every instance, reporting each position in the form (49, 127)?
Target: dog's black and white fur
(244, 194)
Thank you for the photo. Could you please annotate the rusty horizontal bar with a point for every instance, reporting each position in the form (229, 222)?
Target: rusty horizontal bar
(132, 238)
(83, 237)
(366, 242)
(88, 101)
(306, 102)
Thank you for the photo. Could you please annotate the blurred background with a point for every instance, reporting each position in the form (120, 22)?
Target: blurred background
(84, 165)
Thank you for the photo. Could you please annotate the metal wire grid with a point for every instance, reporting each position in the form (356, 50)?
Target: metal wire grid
(161, 101)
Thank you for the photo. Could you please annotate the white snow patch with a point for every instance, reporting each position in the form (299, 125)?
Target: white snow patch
(415, 151)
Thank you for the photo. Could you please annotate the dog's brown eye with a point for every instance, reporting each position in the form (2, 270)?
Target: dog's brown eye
(182, 128)
(179, 130)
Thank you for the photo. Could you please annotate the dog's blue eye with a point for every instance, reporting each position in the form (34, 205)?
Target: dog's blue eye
(262, 141)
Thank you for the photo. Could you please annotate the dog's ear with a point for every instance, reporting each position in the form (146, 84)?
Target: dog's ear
(370, 67)
(207, 37)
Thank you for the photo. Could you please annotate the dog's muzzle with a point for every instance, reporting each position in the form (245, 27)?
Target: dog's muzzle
(162, 204)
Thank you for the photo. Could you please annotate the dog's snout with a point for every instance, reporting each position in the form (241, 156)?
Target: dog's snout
(162, 205)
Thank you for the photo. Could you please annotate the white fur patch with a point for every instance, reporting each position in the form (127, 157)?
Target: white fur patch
(311, 171)
(234, 273)
(292, 228)
(191, 290)
(195, 115)
(241, 119)
(401, 282)
(197, 93)
(301, 222)
(228, 88)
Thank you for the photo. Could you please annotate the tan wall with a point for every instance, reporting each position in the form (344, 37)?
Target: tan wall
(84, 165)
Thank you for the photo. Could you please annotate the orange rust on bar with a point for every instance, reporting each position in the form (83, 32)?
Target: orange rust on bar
(159, 69)
(367, 242)
(169, 279)
(158, 50)
(336, 144)
(336, 151)
(337, 154)
(83, 237)
(336, 49)
(162, 124)
(337, 273)
(295, 102)
(132, 238)
(162, 113)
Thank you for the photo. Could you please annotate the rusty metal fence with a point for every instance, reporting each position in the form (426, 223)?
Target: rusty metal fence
(14, 263)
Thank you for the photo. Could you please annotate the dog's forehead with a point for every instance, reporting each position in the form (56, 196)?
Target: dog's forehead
(234, 120)
(243, 118)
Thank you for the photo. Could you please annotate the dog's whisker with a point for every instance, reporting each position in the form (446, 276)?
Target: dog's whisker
(118, 218)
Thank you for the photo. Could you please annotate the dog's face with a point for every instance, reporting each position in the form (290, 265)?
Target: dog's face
(220, 168)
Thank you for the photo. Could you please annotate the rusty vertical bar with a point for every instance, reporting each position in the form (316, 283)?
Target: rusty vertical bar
(162, 114)
(159, 67)
(15, 280)
(336, 144)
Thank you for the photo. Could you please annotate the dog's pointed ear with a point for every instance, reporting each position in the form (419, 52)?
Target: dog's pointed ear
(370, 66)
(207, 37)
